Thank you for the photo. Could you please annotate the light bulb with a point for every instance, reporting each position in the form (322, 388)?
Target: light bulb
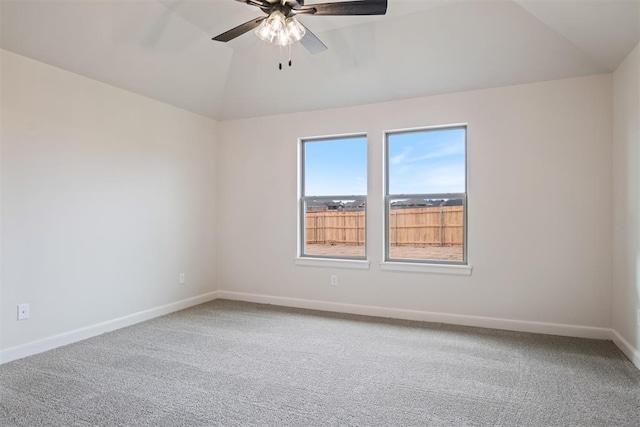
(276, 20)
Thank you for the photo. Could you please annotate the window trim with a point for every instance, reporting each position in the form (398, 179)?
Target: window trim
(327, 260)
(415, 264)
(449, 269)
(357, 264)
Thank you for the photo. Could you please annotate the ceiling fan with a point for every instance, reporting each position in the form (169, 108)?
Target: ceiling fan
(280, 27)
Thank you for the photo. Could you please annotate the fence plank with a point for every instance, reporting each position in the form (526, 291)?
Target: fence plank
(427, 226)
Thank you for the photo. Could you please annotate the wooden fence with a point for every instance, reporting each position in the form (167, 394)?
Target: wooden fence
(428, 226)
(346, 227)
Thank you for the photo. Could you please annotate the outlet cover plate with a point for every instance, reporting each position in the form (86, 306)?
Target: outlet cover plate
(23, 311)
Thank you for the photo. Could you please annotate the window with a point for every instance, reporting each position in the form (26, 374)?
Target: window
(333, 199)
(426, 196)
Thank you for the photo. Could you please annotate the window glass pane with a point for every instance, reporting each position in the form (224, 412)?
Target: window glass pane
(423, 228)
(335, 227)
(335, 167)
(428, 161)
(334, 197)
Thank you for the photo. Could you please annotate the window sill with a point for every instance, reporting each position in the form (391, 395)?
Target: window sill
(460, 270)
(333, 263)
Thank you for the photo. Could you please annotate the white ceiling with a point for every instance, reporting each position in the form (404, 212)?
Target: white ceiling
(163, 49)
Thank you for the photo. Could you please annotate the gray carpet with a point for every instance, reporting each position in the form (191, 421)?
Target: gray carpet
(237, 364)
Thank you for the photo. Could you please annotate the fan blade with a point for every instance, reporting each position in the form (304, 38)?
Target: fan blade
(362, 7)
(258, 3)
(311, 42)
(239, 30)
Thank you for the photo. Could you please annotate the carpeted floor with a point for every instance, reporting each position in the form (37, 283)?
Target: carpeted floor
(236, 364)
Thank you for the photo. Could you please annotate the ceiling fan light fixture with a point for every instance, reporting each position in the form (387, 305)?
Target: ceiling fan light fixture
(279, 30)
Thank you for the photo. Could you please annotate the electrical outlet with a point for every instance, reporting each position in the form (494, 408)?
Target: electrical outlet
(23, 311)
(182, 279)
(334, 279)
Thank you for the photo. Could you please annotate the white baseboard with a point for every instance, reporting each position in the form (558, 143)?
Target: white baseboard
(426, 316)
(70, 337)
(50, 343)
(629, 350)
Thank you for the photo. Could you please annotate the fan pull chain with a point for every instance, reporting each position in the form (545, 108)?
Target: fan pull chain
(281, 55)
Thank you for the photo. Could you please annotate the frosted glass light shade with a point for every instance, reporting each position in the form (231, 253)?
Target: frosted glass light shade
(279, 30)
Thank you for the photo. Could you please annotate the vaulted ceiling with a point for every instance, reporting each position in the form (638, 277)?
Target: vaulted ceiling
(163, 49)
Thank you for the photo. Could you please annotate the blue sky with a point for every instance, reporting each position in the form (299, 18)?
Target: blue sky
(336, 167)
(427, 162)
(419, 162)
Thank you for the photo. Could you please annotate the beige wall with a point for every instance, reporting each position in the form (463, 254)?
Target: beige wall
(626, 192)
(107, 197)
(539, 161)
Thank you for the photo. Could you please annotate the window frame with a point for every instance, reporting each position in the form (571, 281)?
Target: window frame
(417, 264)
(328, 260)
